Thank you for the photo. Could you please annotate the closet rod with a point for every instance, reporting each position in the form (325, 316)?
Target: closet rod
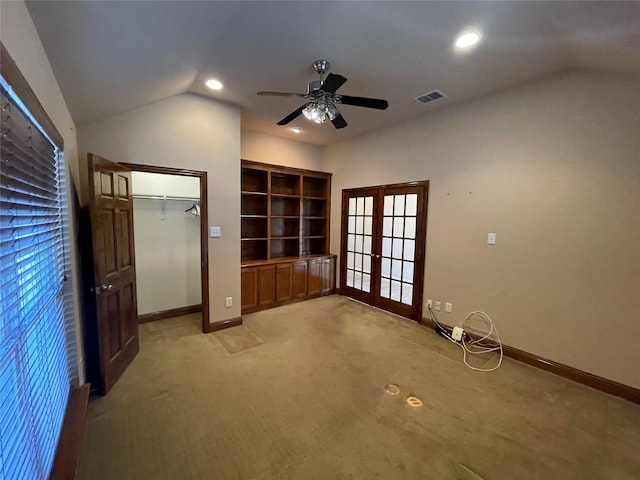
(160, 197)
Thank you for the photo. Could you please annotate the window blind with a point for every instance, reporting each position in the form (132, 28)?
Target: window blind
(34, 297)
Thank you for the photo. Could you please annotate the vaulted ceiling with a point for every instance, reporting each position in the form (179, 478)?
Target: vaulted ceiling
(110, 57)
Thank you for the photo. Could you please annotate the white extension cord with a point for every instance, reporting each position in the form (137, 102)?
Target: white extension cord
(474, 347)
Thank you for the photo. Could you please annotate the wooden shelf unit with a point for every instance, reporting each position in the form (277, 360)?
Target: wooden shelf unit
(285, 235)
(285, 212)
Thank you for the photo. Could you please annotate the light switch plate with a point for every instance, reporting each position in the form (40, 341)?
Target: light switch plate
(214, 232)
(448, 307)
(491, 239)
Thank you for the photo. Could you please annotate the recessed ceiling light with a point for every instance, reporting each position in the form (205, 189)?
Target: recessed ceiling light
(467, 40)
(213, 84)
(296, 129)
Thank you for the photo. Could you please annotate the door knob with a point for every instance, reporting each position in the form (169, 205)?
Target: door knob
(107, 288)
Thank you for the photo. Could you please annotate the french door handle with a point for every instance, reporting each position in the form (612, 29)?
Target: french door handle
(107, 288)
(374, 255)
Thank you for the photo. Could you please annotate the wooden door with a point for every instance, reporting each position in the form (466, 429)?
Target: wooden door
(111, 211)
(383, 246)
(358, 270)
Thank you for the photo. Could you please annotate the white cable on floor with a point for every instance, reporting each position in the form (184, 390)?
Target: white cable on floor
(475, 347)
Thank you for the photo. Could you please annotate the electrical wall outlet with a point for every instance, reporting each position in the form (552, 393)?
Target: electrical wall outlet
(448, 307)
(437, 306)
(228, 302)
(429, 303)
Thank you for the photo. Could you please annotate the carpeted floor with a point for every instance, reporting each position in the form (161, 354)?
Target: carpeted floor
(298, 392)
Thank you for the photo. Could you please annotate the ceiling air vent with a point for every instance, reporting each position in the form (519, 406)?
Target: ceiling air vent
(430, 96)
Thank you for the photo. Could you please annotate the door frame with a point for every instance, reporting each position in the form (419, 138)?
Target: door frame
(204, 240)
(421, 243)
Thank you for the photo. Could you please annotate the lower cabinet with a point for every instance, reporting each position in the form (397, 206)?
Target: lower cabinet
(277, 283)
(299, 279)
(284, 278)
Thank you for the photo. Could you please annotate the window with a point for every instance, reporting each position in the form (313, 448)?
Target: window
(35, 298)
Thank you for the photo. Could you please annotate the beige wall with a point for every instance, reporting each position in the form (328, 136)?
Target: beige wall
(186, 131)
(553, 168)
(19, 36)
(279, 151)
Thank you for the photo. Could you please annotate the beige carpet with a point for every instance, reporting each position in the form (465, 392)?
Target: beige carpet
(237, 339)
(310, 403)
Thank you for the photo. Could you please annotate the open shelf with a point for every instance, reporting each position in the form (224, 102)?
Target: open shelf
(313, 245)
(254, 205)
(254, 180)
(313, 207)
(285, 247)
(254, 228)
(253, 249)
(316, 226)
(315, 187)
(285, 206)
(285, 227)
(285, 184)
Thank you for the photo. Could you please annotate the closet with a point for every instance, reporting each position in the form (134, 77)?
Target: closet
(166, 210)
(284, 235)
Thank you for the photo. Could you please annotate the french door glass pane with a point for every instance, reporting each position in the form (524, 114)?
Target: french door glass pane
(385, 288)
(368, 225)
(412, 205)
(387, 223)
(359, 243)
(410, 227)
(407, 293)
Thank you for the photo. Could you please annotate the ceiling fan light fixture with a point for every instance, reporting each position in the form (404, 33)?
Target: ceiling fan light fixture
(315, 112)
(332, 111)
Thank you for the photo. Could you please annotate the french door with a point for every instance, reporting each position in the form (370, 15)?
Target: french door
(383, 246)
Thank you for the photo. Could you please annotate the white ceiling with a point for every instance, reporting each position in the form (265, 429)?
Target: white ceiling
(110, 57)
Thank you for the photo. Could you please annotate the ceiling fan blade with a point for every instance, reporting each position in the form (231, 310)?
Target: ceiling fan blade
(339, 121)
(332, 83)
(364, 102)
(295, 114)
(283, 94)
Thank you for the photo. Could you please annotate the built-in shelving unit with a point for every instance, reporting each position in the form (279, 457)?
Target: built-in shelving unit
(285, 212)
(285, 235)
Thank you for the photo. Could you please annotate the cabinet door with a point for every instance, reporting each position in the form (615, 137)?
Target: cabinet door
(283, 282)
(249, 287)
(300, 279)
(328, 275)
(315, 277)
(266, 285)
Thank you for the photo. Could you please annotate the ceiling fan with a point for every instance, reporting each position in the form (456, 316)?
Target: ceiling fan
(323, 99)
